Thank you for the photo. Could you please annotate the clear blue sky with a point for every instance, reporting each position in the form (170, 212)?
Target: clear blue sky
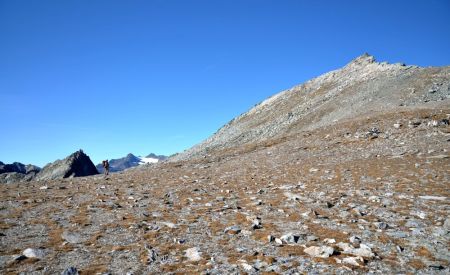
(113, 77)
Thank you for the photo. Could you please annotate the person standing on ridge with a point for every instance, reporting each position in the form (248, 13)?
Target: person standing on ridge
(105, 164)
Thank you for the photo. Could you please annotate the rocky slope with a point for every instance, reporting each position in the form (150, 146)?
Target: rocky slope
(362, 195)
(77, 164)
(362, 87)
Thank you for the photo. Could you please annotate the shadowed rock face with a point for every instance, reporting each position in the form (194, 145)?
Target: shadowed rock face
(17, 171)
(76, 165)
(13, 167)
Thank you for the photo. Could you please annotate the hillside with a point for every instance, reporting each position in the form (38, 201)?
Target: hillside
(362, 87)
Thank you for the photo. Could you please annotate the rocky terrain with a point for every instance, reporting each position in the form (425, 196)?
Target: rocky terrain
(360, 88)
(77, 164)
(17, 171)
(130, 160)
(338, 190)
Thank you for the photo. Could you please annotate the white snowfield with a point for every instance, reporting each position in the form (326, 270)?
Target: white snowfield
(148, 160)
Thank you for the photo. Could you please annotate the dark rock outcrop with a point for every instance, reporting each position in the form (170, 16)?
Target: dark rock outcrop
(13, 167)
(76, 165)
(16, 172)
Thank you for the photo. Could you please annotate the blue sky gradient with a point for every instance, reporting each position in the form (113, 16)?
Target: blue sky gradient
(113, 77)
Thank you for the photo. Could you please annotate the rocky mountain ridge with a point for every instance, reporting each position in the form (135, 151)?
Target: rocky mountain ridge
(362, 87)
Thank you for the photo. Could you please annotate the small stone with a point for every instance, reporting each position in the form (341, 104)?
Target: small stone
(355, 261)
(355, 240)
(43, 187)
(319, 252)
(397, 125)
(270, 238)
(437, 198)
(232, 230)
(363, 250)
(290, 238)
(34, 253)
(447, 224)
(193, 254)
(329, 241)
(246, 266)
(311, 238)
(169, 224)
(278, 241)
(382, 225)
(71, 237)
(70, 271)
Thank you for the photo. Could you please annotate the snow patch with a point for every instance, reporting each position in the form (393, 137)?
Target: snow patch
(144, 160)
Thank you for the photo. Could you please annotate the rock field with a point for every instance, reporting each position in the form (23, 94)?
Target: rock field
(369, 195)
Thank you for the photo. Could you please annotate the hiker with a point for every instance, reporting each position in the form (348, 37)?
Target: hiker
(105, 164)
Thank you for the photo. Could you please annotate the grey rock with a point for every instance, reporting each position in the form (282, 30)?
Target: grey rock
(70, 271)
(382, 225)
(355, 240)
(76, 165)
(193, 254)
(319, 252)
(447, 224)
(34, 253)
(290, 238)
(72, 237)
(232, 230)
(363, 250)
(311, 238)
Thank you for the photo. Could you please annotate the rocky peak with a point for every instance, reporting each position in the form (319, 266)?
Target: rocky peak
(363, 59)
(362, 87)
(77, 164)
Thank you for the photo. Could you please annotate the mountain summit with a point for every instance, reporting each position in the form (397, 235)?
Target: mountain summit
(362, 87)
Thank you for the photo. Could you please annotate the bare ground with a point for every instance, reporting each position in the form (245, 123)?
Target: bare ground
(383, 179)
